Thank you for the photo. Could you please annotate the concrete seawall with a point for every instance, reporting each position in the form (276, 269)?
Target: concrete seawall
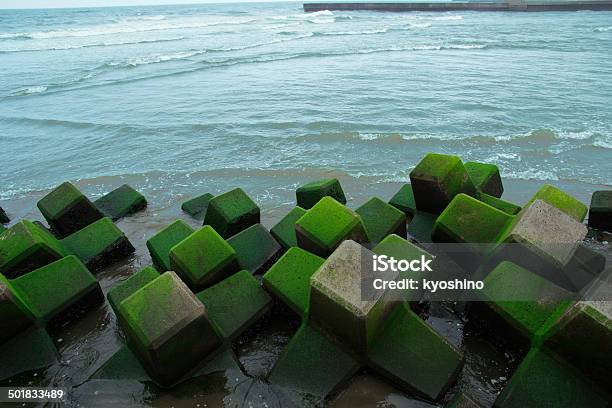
(467, 6)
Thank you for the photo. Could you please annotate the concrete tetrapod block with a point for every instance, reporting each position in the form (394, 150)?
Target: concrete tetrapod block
(2, 228)
(121, 202)
(505, 206)
(203, 259)
(124, 289)
(196, 207)
(543, 380)
(522, 303)
(486, 178)
(289, 278)
(235, 303)
(336, 298)
(14, 315)
(31, 349)
(3, 217)
(414, 356)
(99, 244)
(313, 364)
(421, 226)
(67, 210)
(310, 194)
(600, 211)
(255, 248)
(231, 212)
(403, 200)
(561, 200)
(25, 247)
(326, 225)
(437, 179)
(167, 328)
(54, 293)
(284, 230)
(381, 219)
(160, 244)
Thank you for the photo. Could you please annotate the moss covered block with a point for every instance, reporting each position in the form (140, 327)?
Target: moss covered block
(468, 220)
(196, 207)
(523, 301)
(381, 219)
(203, 259)
(231, 212)
(561, 200)
(99, 244)
(289, 278)
(326, 225)
(124, 289)
(414, 356)
(31, 349)
(67, 210)
(310, 194)
(463, 400)
(2, 228)
(54, 293)
(14, 315)
(160, 244)
(3, 217)
(336, 298)
(121, 202)
(600, 211)
(437, 179)
(403, 200)
(543, 380)
(235, 303)
(284, 230)
(312, 364)
(485, 177)
(25, 247)
(421, 226)
(167, 328)
(502, 205)
(255, 248)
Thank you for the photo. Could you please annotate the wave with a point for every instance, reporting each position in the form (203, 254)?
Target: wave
(95, 45)
(36, 89)
(364, 32)
(603, 29)
(155, 59)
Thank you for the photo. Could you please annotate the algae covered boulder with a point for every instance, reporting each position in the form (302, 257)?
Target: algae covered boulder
(403, 200)
(124, 289)
(600, 211)
(381, 219)
(167, 328)
(485, 177)
(196, 207)
(231, 212)
(67, 210)
(284, 230)
(310, 194)
(255, 248)
(203, 258)
(121, 202)
(437, 179)
(323, 228)
(160, 244)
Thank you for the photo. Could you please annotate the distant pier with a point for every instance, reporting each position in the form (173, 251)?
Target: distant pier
(512, 5)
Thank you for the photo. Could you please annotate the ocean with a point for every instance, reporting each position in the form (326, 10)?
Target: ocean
(182, 100)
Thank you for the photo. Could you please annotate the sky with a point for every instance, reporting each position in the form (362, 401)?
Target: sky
(99, 3)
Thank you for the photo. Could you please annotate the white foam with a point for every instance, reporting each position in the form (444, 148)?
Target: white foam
(603, 29)
(154, 59)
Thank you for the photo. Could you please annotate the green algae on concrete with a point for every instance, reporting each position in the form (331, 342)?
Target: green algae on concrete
(255, 248)
(124, 289)
(437, 179)
(2, 228)
(312, 364)
(505, 206)
(468, 220)
(561, 200)
(14, 315)
(203, 259)
(25, 247)
(67, 210)
(310, 194)
(3, 217)
(235, 303)
(99, 244)
(486, 178)
(196, 207)
(289, 278)
(167, 328)
(524, 301)
(463, 400)
(284, 230)
(56, 291)
(32, 349)
(381, 219)
(326, 225)
(544, 380)
(403, 200)
(414, 356)
(421, 226)
(160, 244)
(231, 212)
(121, 202)
(600, 211)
